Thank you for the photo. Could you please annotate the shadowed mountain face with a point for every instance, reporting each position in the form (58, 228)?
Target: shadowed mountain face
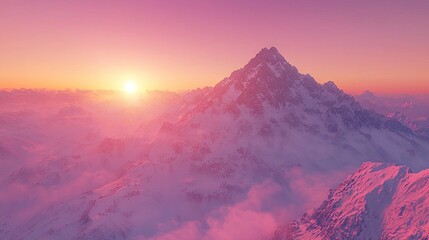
(265, 143)
(411, 110)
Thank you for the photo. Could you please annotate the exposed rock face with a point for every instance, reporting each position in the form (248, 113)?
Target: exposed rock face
(379, 201)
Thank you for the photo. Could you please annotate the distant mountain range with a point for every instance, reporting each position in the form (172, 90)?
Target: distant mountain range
(411, 110)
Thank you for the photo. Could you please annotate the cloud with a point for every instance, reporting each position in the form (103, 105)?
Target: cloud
(255, 217)
(249, 219)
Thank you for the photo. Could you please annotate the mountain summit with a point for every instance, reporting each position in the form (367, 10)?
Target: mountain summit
(267, 77)
(269, 56)
(268, 84)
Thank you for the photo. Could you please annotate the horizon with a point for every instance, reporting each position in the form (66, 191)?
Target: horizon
(214, 120)
(190, 44)
(142, 91)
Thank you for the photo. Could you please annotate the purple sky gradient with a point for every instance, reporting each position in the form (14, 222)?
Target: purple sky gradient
(377, 45)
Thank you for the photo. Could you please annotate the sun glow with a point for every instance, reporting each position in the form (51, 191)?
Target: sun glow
(130, 87)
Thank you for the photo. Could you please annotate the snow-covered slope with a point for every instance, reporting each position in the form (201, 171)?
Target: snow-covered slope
(265, 143)
(379, 201)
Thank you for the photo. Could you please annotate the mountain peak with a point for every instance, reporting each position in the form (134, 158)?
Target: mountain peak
(368, 94)
(270, 53)
(267, 55)
(331, 87)
(269, 63)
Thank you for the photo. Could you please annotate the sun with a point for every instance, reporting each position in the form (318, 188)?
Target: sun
(130, 87)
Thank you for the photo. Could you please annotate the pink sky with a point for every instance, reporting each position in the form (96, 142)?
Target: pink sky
(376, 45)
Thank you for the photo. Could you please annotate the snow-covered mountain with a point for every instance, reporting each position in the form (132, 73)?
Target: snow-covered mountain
(267, 143)
(269, 99)
(379, 201)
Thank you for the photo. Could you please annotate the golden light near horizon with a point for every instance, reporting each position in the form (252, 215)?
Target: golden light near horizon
(130, 87)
